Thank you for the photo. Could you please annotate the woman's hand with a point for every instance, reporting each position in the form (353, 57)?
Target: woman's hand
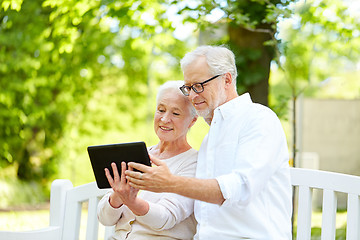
(123, 192)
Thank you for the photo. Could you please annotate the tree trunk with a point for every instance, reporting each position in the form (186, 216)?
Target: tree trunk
(253, 61)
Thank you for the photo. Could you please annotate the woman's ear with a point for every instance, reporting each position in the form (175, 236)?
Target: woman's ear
(193, 121)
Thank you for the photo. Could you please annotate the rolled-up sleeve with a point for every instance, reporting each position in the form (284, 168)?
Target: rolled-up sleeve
(233, 188)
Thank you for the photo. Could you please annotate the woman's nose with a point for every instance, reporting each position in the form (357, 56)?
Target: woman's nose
(165, 118)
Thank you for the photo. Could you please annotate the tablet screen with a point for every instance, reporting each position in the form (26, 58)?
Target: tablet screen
(101, 157)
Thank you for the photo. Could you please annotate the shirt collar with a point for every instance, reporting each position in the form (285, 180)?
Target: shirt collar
(228, 109)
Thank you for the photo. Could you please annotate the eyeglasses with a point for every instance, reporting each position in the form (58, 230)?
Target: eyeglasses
(196, 87)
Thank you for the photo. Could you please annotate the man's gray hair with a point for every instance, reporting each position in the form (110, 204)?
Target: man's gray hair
(174, 86)
(219, 59)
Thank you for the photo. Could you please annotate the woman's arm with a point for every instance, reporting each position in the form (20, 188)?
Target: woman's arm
(107, 215)
(168, 209)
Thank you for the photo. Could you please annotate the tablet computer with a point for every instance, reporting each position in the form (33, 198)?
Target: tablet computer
(101, 157)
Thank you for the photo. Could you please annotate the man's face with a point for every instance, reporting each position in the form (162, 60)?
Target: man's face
(214, 91)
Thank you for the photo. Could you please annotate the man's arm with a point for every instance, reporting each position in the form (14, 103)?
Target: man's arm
(160, 179)
(207, 190)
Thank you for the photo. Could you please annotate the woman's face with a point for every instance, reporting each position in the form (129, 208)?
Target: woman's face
(172, 117)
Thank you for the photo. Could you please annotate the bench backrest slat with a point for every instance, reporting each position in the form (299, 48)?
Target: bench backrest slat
(75, 197)
(328, 227)
(72, 220)
(353, 217)
(304, 213)
(92, 222)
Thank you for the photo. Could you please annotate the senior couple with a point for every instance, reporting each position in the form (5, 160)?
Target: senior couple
(236, 187)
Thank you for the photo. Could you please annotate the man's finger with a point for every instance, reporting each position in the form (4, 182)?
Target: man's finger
(134, 182)
(155, 160)
(130, 168)
(138, 166)
(132, 174)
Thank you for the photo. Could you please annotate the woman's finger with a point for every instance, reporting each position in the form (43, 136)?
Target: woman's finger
(123, 169)
(108, 176)
(115, 172)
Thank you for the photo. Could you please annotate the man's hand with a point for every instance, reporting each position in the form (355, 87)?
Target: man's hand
(160, 179)
(154, 179)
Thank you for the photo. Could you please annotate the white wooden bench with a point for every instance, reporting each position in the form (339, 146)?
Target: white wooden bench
(66, 204)
(330, 183)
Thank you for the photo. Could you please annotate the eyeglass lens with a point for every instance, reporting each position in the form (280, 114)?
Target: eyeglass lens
(197, 87)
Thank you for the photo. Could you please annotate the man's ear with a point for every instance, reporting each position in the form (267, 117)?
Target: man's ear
(228, 79)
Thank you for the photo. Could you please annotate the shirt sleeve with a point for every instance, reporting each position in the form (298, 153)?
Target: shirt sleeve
(233, 188)
(172, 208)
(260, 153)
(107, 215)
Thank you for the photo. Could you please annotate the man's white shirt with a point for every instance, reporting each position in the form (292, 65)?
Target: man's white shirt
(246, 151)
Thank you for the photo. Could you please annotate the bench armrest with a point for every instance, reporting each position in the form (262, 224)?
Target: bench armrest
(40, 234)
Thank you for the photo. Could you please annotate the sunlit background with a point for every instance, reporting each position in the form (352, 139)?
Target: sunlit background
(79, 73)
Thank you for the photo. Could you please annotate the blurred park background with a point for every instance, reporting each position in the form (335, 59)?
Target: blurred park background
(75, 73)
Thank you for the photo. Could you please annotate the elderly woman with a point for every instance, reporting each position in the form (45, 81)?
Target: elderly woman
(150, 215)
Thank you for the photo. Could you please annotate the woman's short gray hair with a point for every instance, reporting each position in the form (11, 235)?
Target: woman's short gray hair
(219, 58)
(175, 86)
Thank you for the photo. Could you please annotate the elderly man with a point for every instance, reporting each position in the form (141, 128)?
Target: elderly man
(242, 186)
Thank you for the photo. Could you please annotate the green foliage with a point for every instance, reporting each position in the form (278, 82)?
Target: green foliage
(39, 81)
(19, 193)
(57, 56)
(251, 27)
(319, 42)
(251, 14)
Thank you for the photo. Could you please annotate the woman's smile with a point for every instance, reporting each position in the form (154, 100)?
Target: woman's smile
(165, 128)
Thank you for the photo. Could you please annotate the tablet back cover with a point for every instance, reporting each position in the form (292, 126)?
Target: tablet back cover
(101, 157)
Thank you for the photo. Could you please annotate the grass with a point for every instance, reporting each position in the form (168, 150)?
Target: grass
(316, 220)
(24, 220)
(37, 219)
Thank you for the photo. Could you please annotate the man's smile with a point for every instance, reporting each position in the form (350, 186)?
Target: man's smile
(198, 103)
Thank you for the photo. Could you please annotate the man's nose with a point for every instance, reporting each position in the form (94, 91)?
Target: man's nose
(192, 95)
